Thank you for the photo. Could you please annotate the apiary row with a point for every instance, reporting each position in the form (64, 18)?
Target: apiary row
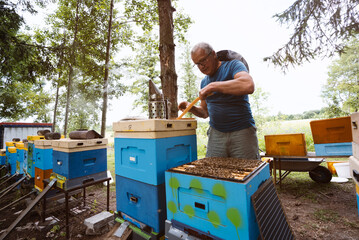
(69, 161)
(159, 181)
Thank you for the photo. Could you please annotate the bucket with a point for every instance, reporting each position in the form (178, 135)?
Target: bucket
(331, 167)
(342, 169)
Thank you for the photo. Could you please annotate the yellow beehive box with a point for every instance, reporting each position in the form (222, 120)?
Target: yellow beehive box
(333, 130)
(286, 144)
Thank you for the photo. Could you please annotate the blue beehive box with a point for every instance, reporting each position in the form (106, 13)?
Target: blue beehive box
(143, 203)
(144, 149)
(7, 153)
(21, 157)
(78, 158)
(12, 155)
(2, 156)
(43, 154)
(220, 207)
(334, 149)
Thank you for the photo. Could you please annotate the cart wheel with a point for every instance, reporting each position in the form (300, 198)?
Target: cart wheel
(320, 174)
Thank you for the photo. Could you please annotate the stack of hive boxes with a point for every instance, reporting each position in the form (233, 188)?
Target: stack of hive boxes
(332, 137)
(43, 161)
(11, 156)
(2, 157)
(354, 160)
(21, 152)
(30, 170)
(144, 150)
(77, 162)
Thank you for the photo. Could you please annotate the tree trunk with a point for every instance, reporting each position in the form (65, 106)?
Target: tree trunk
(105, 82)
(72, 63)
(167, 55)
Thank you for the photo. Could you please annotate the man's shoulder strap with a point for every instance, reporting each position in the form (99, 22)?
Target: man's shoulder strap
(228, 55)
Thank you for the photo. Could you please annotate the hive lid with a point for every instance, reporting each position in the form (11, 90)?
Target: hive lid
(75, 143)
(43, 143)
(151, 125)
(233, 169)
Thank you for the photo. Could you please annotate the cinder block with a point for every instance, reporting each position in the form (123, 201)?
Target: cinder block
(99, 220)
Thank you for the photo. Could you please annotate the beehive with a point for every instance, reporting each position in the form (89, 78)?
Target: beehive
(286, 144)
(2, 156)
(21, 153)
(333, 130)
(40, 175)
(144, 149)
(213, 195)
(143, 202)
(43, 154)
(77, 158)
(334, 149)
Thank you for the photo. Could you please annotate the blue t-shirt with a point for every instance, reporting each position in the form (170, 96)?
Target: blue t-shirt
(228, 113)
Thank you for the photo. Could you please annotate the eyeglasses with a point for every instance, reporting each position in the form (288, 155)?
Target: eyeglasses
(203, 61)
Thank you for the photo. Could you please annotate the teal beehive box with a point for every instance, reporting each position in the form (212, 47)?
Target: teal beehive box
(145, 149)
(213, 195)
(21, 153)
(43, 154)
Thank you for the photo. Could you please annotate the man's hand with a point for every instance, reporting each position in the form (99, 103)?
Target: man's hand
(183, 105)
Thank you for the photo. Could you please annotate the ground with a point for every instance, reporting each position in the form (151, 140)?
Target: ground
(313, 210)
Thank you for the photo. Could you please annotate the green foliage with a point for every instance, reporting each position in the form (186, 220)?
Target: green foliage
(145, 67)
(202, 139)
(21, 64)
(188, 83)
(341, 91)
(145, 61)
(286, 127)
(319, 28)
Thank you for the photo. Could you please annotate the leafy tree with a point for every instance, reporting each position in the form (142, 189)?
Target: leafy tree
(22, 63)
(258, 105)
(144, 67)
(81, 27)
(189, 81)
(341, 91)
(145, 14)
(319, 30)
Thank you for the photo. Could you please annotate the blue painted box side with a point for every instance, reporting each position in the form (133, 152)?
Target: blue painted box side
(144, 202)
(334, 149)
(43, 158)
(13, 168)
(12, 158)
(79, 164)
(2, 160)
(30, 159)
(222, 208)
(20, 158)
(146, 160)
(19, 167)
